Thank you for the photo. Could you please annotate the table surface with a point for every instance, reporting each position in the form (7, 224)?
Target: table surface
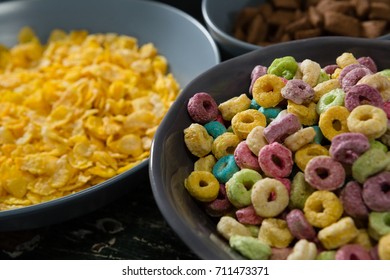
(131, 227)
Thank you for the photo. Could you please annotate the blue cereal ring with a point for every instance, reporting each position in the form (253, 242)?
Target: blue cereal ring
(254, 105)
(225, 168)
(215, 128)
(319, 136)
(270, 113)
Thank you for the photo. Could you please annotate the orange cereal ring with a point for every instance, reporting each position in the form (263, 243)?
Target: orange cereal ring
(334, 121)
(307, 152)
(267, 90)
(322, 208)
(243, 122)
(368, 120)
(202, 185)
(306, 114)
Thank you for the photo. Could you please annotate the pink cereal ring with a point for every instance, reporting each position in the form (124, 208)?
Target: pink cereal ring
(352, 200)
(347, 147)
(248, 216)
(219, 206)
(362, 94)
(281, 127)
(245, 158)
(298, 91)
(202, 108)
(324, 173)
(276, 160)
(256, 73)
(376, 194)
(298, 225)
(352, 252)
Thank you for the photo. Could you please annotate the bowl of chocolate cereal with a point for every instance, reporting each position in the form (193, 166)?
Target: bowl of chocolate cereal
(242, 26)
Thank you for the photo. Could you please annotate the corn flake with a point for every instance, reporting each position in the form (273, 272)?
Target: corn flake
(76, 111)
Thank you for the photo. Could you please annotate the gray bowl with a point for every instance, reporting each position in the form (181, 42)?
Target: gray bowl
(165, 26)
(219, 18)
(171, 163)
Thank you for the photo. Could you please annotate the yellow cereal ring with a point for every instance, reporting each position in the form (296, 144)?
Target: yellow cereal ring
(243, 122)
(338, 233)
(234, 105)
(303, 250)
(369, 120)
(275, 233)
(346, 59)
(300, 138)
(336, 73)
(267, 90)
(205, 163)
(363, 239)
(256, 140)
(262, 190)
(228, 226)
(384, 247)
(322, 208)
(311, 71)
(334, 121)
(225, 144)
(307, 152)
(306, 114)
(197, 140)
(380, 82)
(202, 185)
(325, 87)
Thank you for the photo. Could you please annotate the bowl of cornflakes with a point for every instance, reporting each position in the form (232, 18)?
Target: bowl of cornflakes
(243, 26)
(193, 158)
(83, 88)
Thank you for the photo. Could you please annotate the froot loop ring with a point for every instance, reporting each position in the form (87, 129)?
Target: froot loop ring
(300, 169)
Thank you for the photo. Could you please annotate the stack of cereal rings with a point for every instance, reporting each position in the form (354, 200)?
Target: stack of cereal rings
(298, 168)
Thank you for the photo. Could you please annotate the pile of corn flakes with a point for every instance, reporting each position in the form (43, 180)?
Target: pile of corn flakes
(76, 111)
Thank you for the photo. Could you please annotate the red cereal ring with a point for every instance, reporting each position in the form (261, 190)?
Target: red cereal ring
(352, 200)
(276, 160)
(352, 252)
(202, 108)
(324, 173)
(248, 216)
(219, 206)
(298, 225)
(376, 192)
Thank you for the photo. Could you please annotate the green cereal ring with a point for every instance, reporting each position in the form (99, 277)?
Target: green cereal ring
(323, 77)
(250, 247)
(334, 97)
(202, 185)
(326, 255)
(239, 187)
(300, 191)
(285, 67)
(385, 72)
(369, 163)
(378, 224)
(375, 144)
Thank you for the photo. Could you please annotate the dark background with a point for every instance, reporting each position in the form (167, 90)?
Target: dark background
(129, 228)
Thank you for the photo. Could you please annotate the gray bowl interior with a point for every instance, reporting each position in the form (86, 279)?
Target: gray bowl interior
(165, 26)
(219, 16)
(171, 163)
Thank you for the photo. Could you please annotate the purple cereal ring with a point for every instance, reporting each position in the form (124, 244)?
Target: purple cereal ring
(348, 146)
(329, 69)
(368, 62)
(352, 252)
(245, 158)
(352, 200)
(202, 108)
(276, 160)
(281, 127)
(299, 227)
(386, 108)
(219, 206)
(362, 94)
(280, 253)
(248, 216)
(298, 91)
(376, 192)
(324, 173)
(347, 69)
(353, 76)
(257, 72)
